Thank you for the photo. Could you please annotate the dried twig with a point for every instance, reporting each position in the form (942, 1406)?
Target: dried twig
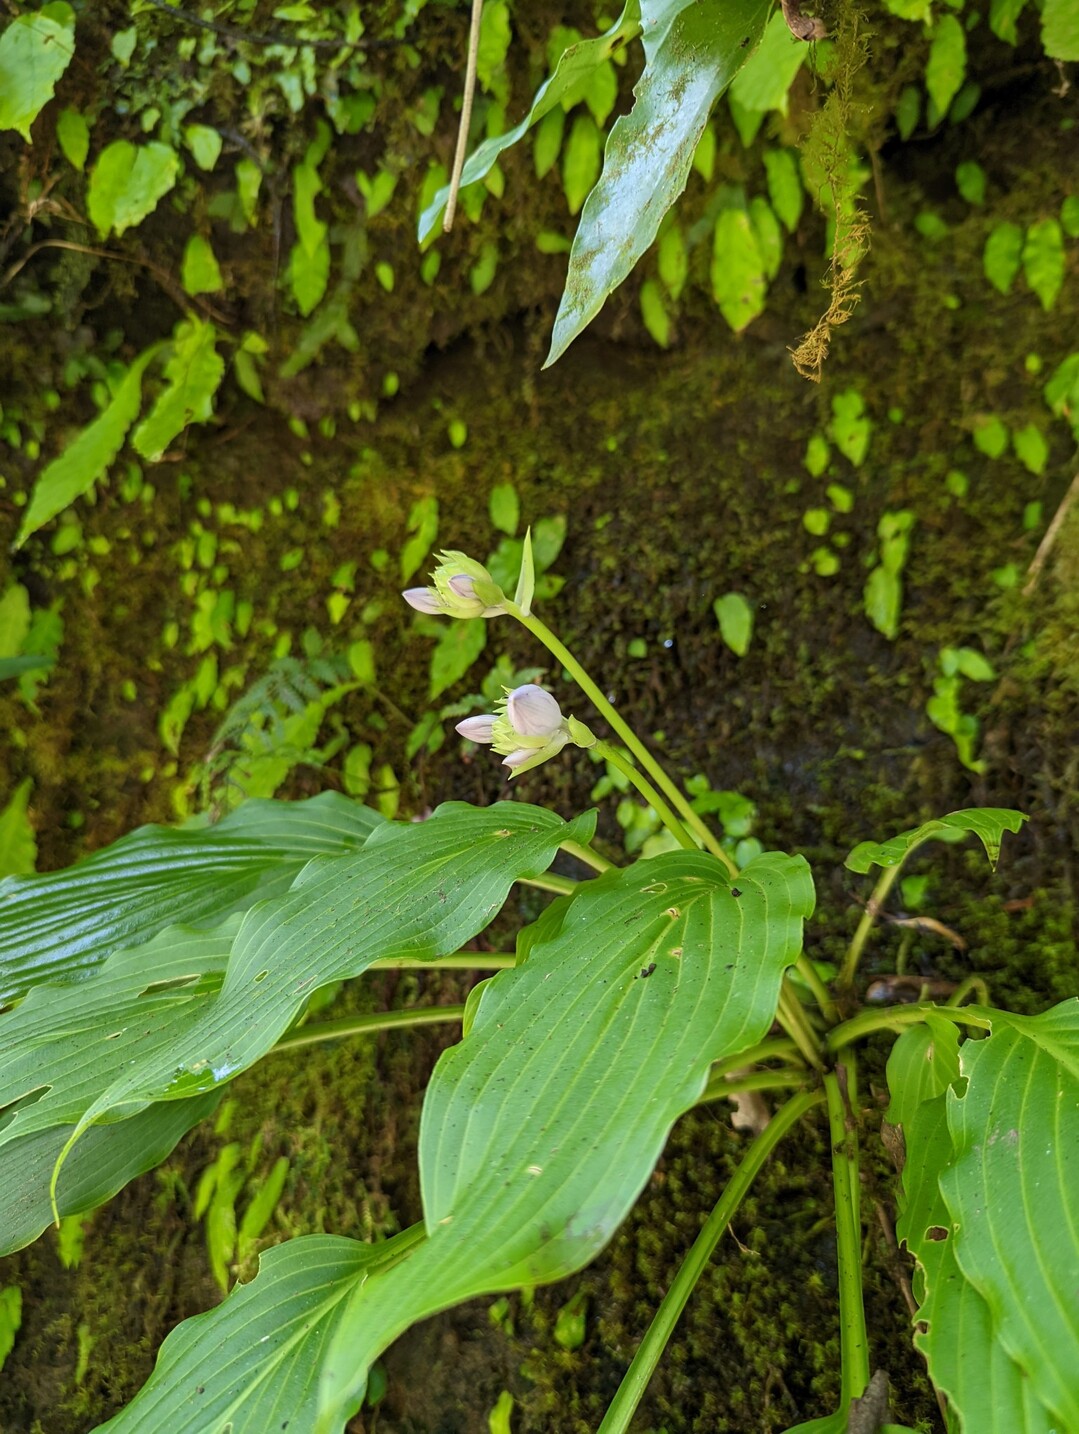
(466, 115)
(1051, 533)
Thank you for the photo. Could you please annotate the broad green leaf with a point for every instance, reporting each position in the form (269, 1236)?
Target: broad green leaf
(35, 50)
(63, 924)
(1003, 255)
(581, 160)
(987, 823)
(194, 372)
(127, 182)
(572, 71)
(158, 1022)
(459, 645)
(1043, 260)
(1002, 17)
(947, 64)
(525, 1175)
(764, 81)
(1060, 30)
(971, 181)
(1031, 448)
(18, 847)
(1010, 1190)
(505, 508)
(883, 598)
(955, 1332)
(200, 273)
(922, 1064)
(693, 48)
(105, 1159)
(73, 135)
(87, 458)
(423, 526)
(784, 186)
(249, 1366)
(735, 618)
(204, 144)
(739, 280)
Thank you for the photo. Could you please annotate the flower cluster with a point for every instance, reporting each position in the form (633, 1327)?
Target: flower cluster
(527, 729)
(462, 588)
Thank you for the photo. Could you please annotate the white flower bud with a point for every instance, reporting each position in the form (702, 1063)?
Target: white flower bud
(477, 729)
(532, 712)
(424, 600)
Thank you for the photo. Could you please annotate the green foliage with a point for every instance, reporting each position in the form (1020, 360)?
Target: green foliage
(735, 618)
(86, 460)
(200, 273)
(851, 427)
(127, 183)
(423, 526)
(193, 373)
(73, 136)
(947, 64)
(884, 587)
(10, 1319)
(1003, 255)
(987, 823)
(1060, 30)
(35, 50)
(18, 847)
(1043, 260)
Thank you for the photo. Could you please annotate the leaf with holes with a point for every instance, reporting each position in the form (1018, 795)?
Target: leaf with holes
(63, 924)
(987, 823)
(654, 973)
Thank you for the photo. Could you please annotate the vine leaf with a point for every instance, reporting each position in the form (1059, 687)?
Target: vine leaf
(86, 460)
(63, 924)
(987, 823)
(693, 49)
(526, 1173)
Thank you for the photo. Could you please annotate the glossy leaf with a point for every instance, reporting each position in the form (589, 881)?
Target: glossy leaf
(987, 823)
(170, 1019)
(247, 1366)
(574, 68)
(35, 50)
(656, 972)
(63, 924)
(1010, 1190)
(922, 1064)
(127, 183)
(86, 459)
(193, 372)
(693, 48)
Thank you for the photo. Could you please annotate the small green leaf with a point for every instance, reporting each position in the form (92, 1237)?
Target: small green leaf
(850, 427)
(376, 192)
(504, 508)
(672, 260)
(204, 144)
(35, 50)
(18, 847)
(739, 280)
(764, 81)
(10, 1319)
(123, 45)
(423, 526)
(922, 1064)
(784, 186)
(970, 180)
(908, 111)
(654, 312)
(459, 645)
(1043, 260)
(1031, 448)
(73, 135)
(1002, 17)
(735, 617)
(1069, 216)
(581, 160)
(194, 372)
(86, 459)
(200, 273)
(990, 435)
(127, 182)
(987, 823)
(946, 67)
(1003, 255)
(547, 141)
(1060, 30)
(883, 597)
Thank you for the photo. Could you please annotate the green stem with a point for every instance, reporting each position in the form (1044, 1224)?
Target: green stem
(792, 1018)
(367, 1025)
(895, 1018)
(648, 792)
(853, 1341)
(963, 990)
(588, 856)
(869, 916)
(462, 961)
(821, 994)
(630, 1391)
(561, 885)
(791, 1079)
(772, 1048)
(677, 798)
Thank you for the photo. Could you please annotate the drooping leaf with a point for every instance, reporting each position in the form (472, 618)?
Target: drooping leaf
(987, 823)
(169, 1019)
(423, 527)
(739, 279)
(248, 1365)
(194, 372)
(572, 71)
(63, 924)
(18, 848)
(1003, 15)
(784, 186)
(35, 50)
(1043, 260)
(73, 134)
(764, 81)
(87, 458)
(922, 1064)
(1002, 255)
(1010, 1191)
(581, 161)
(693, 48)
(661, 968)
(127, 183)
(947, 63)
